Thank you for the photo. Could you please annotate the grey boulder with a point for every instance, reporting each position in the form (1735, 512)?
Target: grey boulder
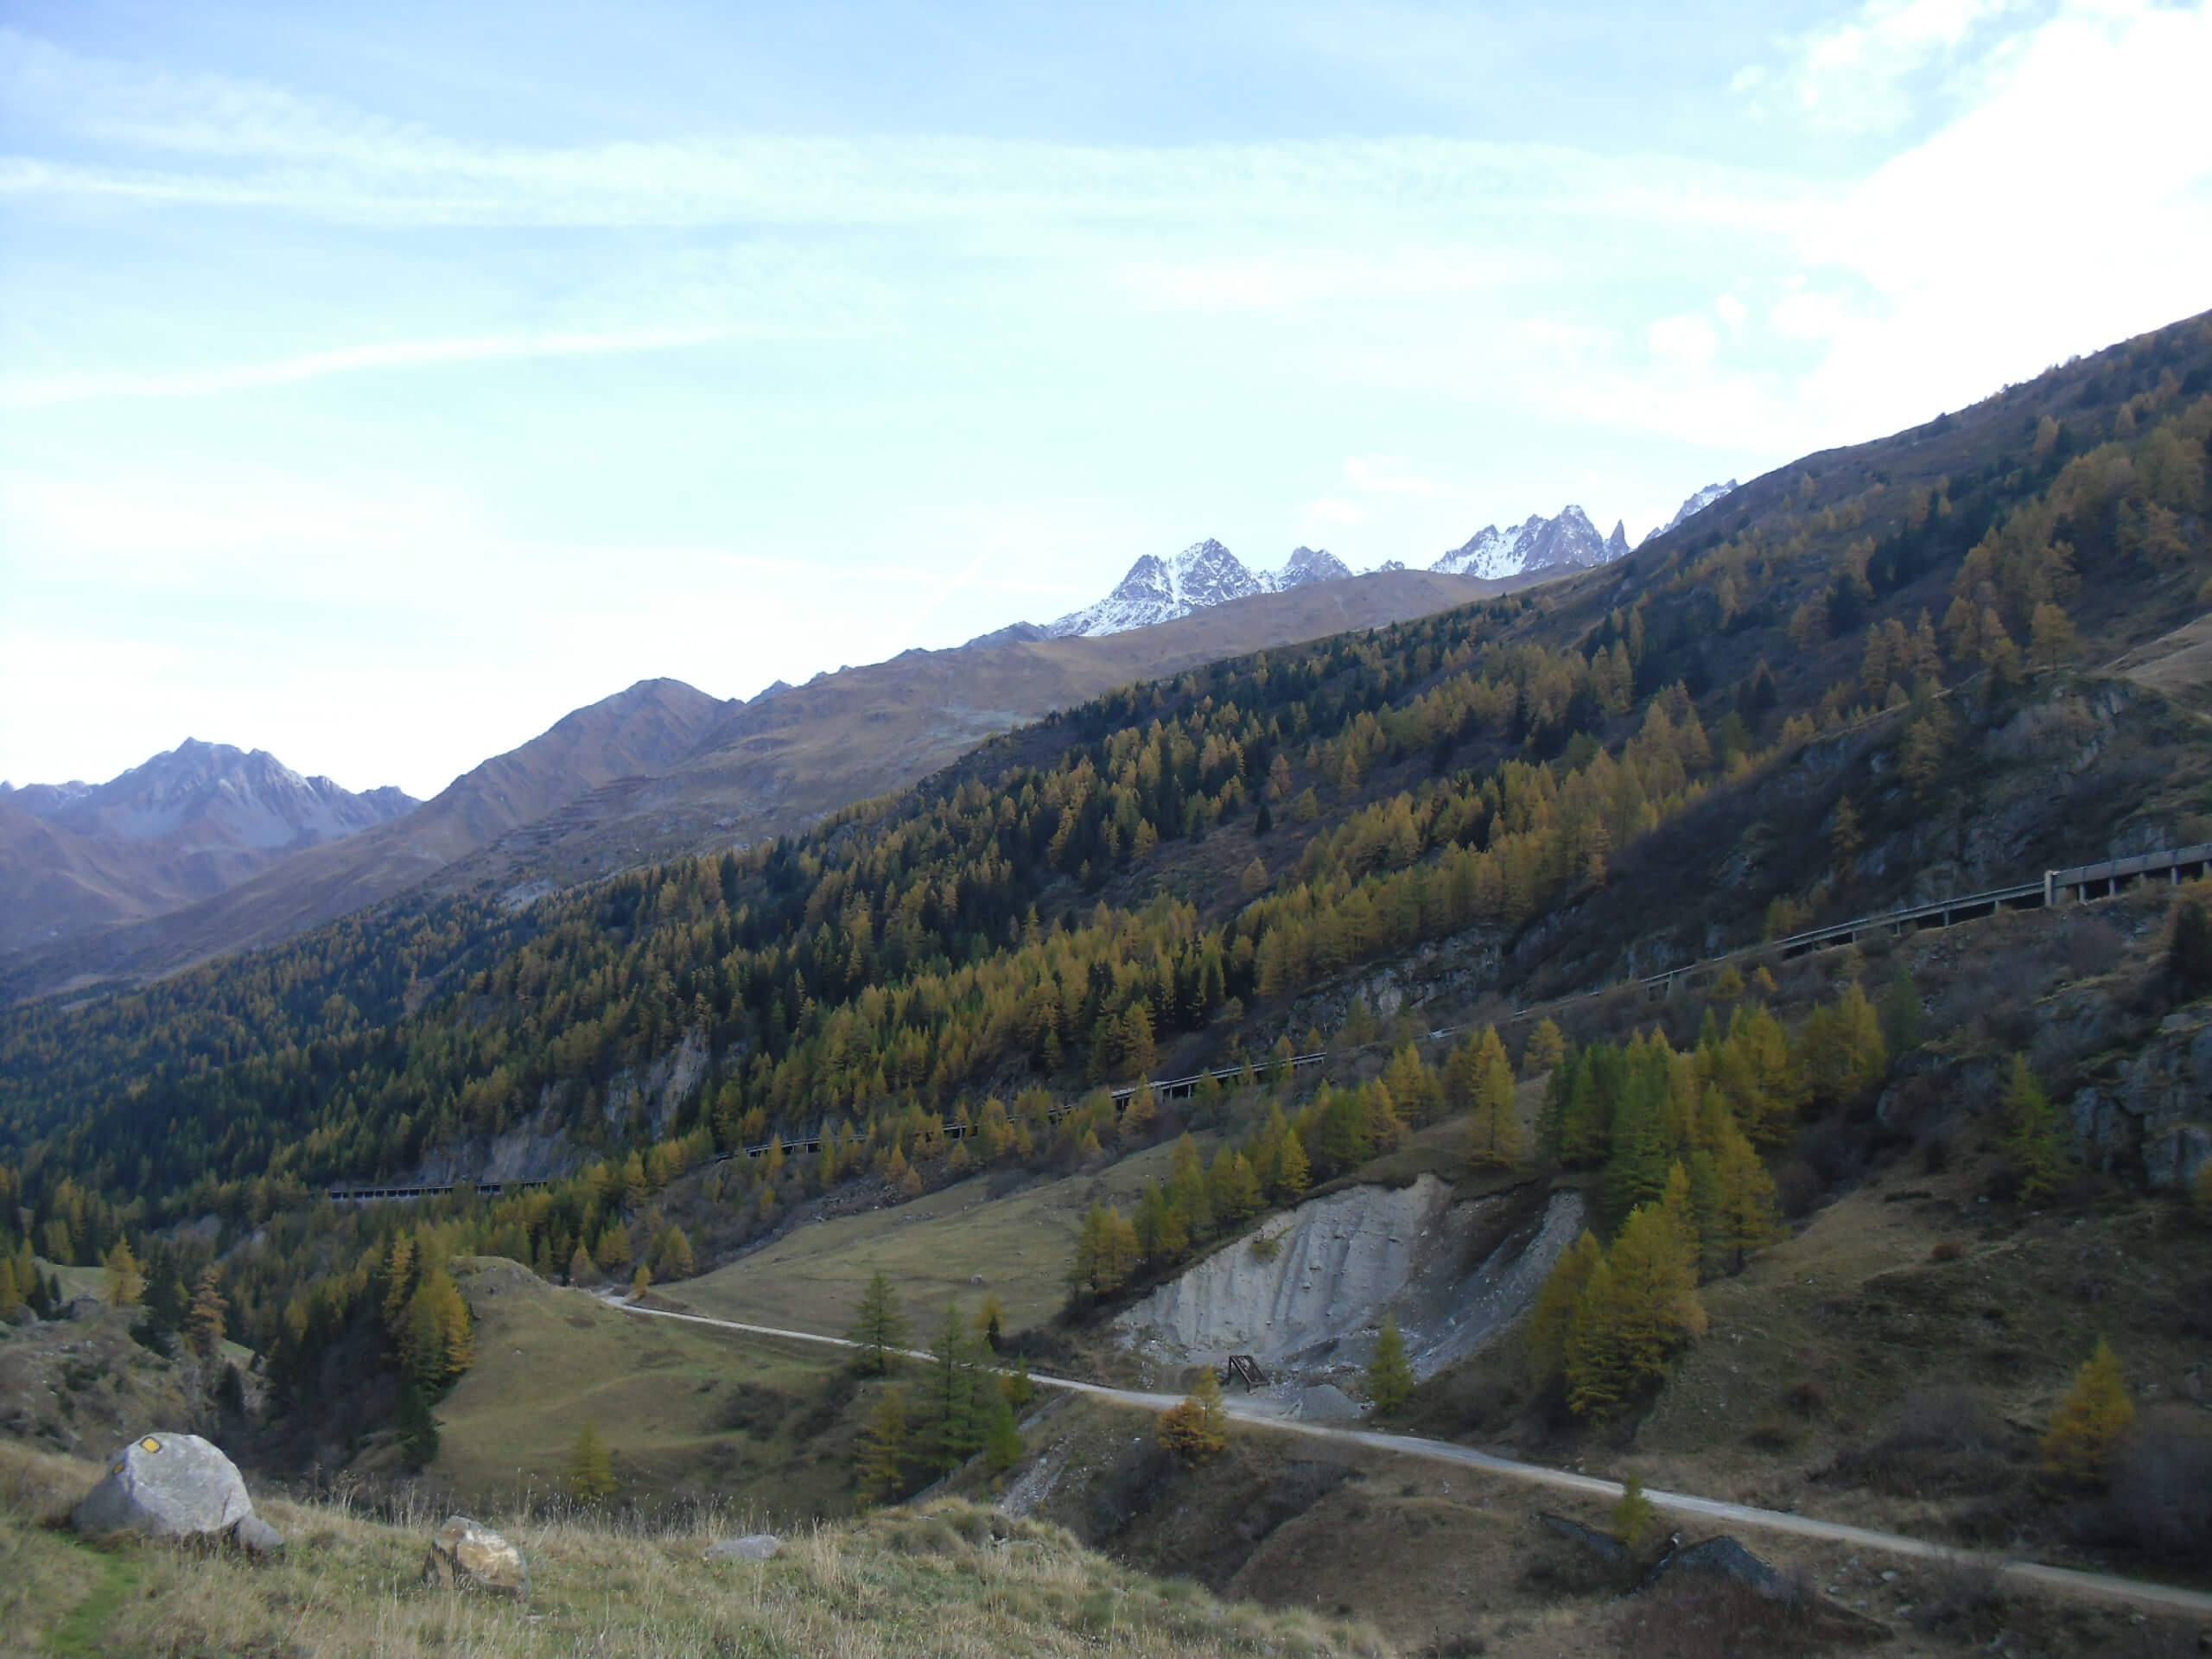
(466, 1555)
(166, 1486)
(753, 1547)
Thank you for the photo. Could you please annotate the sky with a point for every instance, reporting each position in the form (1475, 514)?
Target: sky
(378, 383)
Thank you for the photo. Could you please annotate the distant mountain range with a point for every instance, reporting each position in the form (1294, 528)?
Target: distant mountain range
(1539, 546)
(1203, 574)
(208, 849)
(187, 824)
(1206, 574)
(657, 770)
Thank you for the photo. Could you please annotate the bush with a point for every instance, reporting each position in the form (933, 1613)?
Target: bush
(1707, 1615)
(1943, 1440)
(2160, 1501)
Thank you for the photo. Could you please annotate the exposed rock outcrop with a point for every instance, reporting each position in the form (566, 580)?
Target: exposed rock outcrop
(1305, 1295)
(2157, 1114)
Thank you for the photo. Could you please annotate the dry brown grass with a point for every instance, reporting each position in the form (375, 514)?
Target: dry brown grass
(952, 1578)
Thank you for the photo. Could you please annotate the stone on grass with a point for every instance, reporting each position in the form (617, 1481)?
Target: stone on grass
(753, 1547)
(256, 1537)
(466, 1556)
(166, 1486)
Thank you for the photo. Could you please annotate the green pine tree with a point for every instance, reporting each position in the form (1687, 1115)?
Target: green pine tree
(879, 1330)
(1389, 1375)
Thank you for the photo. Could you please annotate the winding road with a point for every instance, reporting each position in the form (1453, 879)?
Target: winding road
(2167, 1598)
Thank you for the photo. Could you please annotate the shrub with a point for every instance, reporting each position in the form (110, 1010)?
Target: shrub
(2096, 1412)
(1950, 1250)
(1197, 1430)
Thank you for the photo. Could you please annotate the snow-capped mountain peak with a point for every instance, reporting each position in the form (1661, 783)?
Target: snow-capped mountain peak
(1699, 501)
(1539, 544)
(1203, 574)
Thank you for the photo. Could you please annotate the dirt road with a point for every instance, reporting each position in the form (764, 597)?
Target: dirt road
(2105, 1586)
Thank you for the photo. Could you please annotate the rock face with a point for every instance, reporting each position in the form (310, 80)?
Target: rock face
(465, 1555)
(2157, 1115)
(753, 1547)
(166, 1486)
(1307, 1293)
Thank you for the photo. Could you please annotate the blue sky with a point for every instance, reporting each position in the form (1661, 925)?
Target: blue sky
(378, 384)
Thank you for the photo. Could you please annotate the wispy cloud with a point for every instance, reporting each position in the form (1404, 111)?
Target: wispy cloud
(33, 390)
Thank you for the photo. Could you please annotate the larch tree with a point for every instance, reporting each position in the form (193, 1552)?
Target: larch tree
(1494, 1133)
(2031, 1133)
(591, 1466)
(880, 1468)
(203, 1328)
(1552, 1318)
(125, 1283)
(879, 1330)
(2078, 1445)
(1195, 1430)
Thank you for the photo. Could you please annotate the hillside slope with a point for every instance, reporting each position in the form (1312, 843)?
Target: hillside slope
(662, 770)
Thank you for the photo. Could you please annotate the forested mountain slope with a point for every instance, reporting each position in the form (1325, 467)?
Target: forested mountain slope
(662, 769)
(1877, 677)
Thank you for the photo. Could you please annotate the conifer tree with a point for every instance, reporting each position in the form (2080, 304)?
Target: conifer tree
(1744, 1215)
(1547, 1047)
(1903, 1018)
(418, 1429)
(1552, 1318)
(881, 1467)
(125, 1283)
(1195, 1430)
(1002, 1446)
(2032, 1133)
(1016, 1385)
(582, 1268)
(11, 1298)
(949, 1409)
(2086, 1427)
(879, 1330)
(1494, 1133)
(1597, 1376)
(990, 1321)
(591, 1466)
(675, 1258)
(1389, 1375)
(1294, 1173)
(204, 1325)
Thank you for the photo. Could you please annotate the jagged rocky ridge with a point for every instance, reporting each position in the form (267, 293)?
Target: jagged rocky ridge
(1203, 574)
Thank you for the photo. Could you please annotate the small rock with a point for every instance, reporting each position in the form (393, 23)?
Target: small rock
(256, 1537)
(753, 1547)
(167, 1486)
(465, 1555)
